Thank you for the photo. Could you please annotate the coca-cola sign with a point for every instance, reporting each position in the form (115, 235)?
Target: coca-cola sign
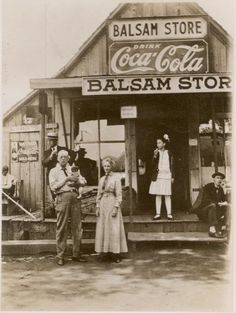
(163, 57)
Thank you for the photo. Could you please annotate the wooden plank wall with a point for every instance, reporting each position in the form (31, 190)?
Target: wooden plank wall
(219, 52)
(14, 120)
(66, 109)
(6, 145)
(94, 62)
(94, 59)
(29, 172)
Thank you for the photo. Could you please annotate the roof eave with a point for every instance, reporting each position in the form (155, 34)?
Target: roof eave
(20, 103)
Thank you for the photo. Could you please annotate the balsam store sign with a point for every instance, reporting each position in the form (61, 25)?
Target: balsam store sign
(177, 46)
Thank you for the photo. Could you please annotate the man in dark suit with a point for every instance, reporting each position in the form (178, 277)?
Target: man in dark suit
(50, 156)
(214, 209)
(88, 167)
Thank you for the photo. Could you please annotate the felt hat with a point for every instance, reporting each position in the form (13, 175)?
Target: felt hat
(82, 151)
(218, 174)
(52, 135)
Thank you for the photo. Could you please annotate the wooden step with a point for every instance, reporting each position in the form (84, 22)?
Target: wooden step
(22, 228)
(29, 247)
(172, 237)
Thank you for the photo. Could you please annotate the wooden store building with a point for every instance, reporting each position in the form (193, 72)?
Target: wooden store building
(150, 68)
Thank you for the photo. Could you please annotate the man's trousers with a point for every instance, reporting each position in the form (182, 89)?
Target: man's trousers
(67, 205)
(213, 214)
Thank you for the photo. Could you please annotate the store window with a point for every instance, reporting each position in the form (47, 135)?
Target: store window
(98, 133)
(215, 138)
(117, 152)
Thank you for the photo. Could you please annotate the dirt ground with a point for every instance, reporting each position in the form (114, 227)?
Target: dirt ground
(164, 279)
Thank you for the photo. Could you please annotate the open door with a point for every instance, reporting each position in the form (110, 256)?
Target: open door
(147, 132)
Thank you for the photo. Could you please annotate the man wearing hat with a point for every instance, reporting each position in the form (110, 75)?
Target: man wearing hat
(88, 167)
(214, 208)
(50, 156)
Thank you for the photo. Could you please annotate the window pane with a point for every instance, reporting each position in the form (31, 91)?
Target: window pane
(85, 122)
(111, 132)
(228, 143)
(228, 125)
(207, 151)
(88, 131)
(111, 125)
(206, 137)
(87, 160)
(116, 151)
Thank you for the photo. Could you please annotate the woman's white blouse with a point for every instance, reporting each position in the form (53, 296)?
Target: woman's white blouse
(113, 186)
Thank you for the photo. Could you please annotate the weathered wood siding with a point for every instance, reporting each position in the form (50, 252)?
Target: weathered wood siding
(66, 107)
(29, 172)
(14, 120)
(94, 62)
(94, 59)
(218, 50)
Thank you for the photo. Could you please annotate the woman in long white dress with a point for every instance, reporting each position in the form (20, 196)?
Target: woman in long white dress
(110, 233)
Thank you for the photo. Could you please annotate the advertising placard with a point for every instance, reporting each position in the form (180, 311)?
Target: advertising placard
(25, 151)
(166, 57)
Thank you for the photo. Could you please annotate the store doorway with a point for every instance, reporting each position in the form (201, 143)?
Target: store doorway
(147, 132)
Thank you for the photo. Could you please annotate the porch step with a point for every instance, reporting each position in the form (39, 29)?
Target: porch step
(28, 247)
(173, 237)
(21, 228)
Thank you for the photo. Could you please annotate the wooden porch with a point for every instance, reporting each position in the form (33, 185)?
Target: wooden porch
(22, 235)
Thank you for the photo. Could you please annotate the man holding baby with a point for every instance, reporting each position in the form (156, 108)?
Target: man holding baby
(65, 185)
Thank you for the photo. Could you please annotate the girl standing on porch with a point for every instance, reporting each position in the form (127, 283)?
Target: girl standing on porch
(110, 233)
(162, 164)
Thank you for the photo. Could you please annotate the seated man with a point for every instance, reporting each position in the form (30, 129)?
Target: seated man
(8, 186)
(214, 209)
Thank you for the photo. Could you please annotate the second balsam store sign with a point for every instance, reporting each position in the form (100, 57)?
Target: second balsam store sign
(158, 28)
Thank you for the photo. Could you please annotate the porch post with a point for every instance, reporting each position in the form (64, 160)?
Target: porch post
(214, 134)
(194, 149)
(42, 109)
(130, 174)
(63, 119)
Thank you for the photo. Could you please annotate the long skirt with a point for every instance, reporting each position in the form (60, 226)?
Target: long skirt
(161, 187)
(110, 233)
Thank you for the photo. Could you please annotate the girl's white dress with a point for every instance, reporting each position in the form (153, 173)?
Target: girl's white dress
(162, 185)
(110, 233)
